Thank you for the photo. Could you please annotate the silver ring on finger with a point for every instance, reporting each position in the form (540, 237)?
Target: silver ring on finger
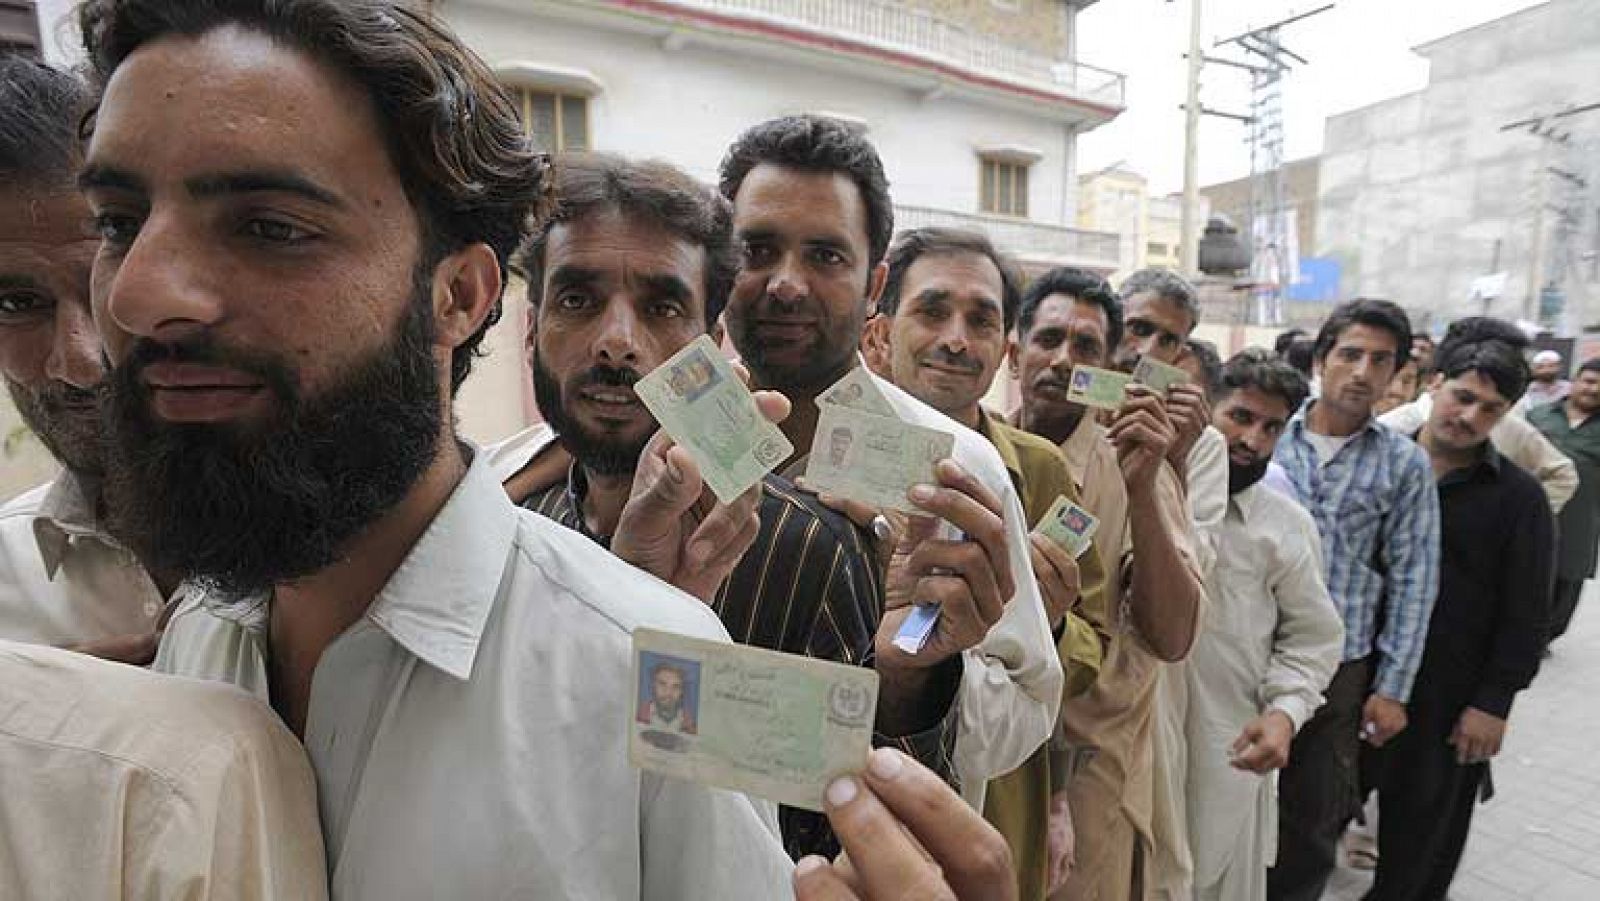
(881, 529)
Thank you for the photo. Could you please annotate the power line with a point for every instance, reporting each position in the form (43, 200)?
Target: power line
(1267, 60)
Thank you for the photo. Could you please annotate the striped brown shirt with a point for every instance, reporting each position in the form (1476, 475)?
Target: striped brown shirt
(808, 585)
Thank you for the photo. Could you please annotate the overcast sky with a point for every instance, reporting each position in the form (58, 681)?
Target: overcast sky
(1360, 53)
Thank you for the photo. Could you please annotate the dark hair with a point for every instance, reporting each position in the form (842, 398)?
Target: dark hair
(1499, 361)
(39, 111)
(1286, 339)
(1210, 364)
(1372, 313)
(455, 139)
(657, 192)
(817, 144)
(1079, 284)
(1167, 285)
(1481, 328)
(1298, 354)
(914, 244)
(1590, 365)
(1255, 368)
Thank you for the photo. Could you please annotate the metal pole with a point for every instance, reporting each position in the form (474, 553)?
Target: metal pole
(1189, 243)
(1530, 304)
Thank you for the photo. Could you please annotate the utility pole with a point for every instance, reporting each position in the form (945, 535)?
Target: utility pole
(1189, 253)
(1267, 61)
(1551, 137)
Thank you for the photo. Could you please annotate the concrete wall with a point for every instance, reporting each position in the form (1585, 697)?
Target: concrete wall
(1416, 191)
(1232, 199)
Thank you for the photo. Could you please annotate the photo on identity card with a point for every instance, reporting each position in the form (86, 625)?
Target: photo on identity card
(668, 700)
(772, 725)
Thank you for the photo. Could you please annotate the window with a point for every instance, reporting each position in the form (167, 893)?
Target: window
(558, 122)
(1003, 187)
(1157, 249)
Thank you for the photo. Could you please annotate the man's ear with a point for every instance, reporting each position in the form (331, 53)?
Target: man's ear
(876, 345)
(717, 332)
(466, 288)
(1014, 357)
(875, 282)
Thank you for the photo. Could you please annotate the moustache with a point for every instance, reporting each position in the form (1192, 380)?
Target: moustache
(204, 349)
(960, 361)
(605, 377)
(1239, 451)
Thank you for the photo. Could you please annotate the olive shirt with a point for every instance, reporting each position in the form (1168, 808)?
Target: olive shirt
(1580, 518)
(1018, 803)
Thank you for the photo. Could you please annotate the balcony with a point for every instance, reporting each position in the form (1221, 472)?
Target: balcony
(887, 25)
(1037, 245)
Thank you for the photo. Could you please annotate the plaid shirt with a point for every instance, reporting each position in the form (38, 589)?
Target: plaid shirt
(808, 585)
(1377, 510)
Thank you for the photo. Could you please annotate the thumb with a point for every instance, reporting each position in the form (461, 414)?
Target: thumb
(673, 489)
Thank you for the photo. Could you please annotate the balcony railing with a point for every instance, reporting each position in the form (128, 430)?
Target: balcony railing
(1021, 237)
(892, 25)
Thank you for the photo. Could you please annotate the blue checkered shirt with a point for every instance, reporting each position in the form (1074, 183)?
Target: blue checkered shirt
(1377, 509)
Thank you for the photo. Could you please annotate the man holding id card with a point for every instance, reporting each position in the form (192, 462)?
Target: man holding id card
(813, 218)
(946, 309)
(1070, 321)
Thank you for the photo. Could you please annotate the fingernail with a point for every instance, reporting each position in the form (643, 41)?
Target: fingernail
(886, 763)
(841, 791)
(921, 493)
(809, 864)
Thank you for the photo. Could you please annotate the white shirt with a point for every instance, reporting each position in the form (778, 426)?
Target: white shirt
(116, 783)
(469, 733)
(1272, 640)
(1514, 438)
(1328, 446)
(1207, 486)
(63, 580)
(1011, 681)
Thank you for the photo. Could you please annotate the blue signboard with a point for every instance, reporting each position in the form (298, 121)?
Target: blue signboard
(1318, 280)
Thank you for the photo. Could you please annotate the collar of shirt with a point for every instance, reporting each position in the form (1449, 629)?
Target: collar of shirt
(1299, 424)
(509, 457)
(66, 513)
(1245, 502)
(1079, 444)
(1486, 467)
(436, 603)
(1002, 444)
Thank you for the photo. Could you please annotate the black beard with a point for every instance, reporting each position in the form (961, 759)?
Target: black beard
(240, 509)
(1242, 477)
(596, 454)
(66, 419)
(833, 355)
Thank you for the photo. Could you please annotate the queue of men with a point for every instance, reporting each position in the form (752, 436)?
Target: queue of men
(248, 372)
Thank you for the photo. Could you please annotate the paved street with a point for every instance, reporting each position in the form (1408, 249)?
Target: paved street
(1540, 837)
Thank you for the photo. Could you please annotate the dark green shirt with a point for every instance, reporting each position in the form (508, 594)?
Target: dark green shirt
(1580, 518)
